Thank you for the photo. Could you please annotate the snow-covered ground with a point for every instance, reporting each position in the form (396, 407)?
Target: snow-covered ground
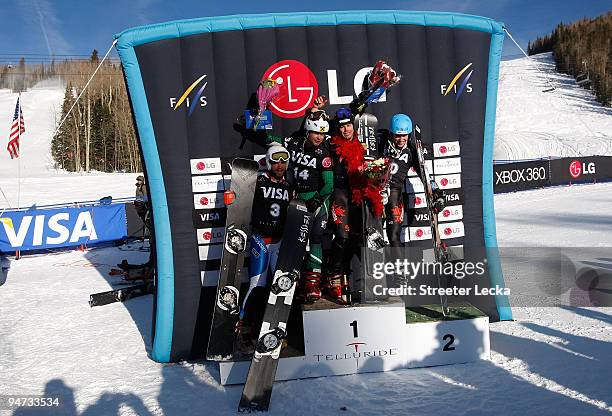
(533, 124)
(549, 361)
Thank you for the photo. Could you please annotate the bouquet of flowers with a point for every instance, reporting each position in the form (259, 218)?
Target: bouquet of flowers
(383, 76)
(267, 91)
(375, 175)
(377, 171)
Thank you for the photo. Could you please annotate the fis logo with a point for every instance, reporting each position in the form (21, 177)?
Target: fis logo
(198, 99)
(464, 86)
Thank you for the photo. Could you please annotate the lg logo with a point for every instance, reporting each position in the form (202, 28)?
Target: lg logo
(299, 87)
(576, 168)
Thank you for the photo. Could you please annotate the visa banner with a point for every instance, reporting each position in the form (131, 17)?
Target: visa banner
(63, 227)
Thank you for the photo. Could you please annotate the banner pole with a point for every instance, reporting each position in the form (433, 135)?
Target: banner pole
(19, 155)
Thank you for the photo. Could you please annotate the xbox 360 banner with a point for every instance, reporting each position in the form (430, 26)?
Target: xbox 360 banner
(190, 82)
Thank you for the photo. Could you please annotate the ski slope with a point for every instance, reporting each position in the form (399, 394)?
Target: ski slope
(41, 183)
(549, 361)
(534, 124)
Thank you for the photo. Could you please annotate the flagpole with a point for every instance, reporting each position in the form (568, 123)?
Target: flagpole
(19, 157)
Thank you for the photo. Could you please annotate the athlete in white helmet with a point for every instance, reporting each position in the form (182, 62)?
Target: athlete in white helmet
(272, 196)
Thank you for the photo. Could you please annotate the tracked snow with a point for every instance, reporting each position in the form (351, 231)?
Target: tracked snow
(533, 124)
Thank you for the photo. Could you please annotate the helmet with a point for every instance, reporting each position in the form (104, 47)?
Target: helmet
(276, 153)
(343, 116)
(401, 124)
(318, 122)
(140, 178)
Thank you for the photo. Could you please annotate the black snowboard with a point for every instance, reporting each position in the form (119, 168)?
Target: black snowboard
(373, 240)
(120, 295)
(258, 388)
(237, 233)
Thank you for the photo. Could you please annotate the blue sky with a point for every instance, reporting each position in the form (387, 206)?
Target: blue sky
(77, 27)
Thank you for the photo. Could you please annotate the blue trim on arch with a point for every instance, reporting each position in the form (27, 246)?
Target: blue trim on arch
(145, 34)
(164, 325)
(488, 208)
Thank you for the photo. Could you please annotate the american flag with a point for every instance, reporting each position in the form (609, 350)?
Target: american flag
(17, 129)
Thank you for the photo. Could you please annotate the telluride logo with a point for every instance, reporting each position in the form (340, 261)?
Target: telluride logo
(357, 355)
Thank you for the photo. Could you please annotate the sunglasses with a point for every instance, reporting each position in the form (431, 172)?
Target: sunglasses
(318, 115)
(279, 157)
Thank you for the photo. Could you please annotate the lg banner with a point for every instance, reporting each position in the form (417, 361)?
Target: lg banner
(580, 169)
(65, 227)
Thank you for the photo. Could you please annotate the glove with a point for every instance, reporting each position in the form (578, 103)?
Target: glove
(314, 203)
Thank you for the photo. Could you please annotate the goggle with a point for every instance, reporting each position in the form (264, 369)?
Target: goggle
(279, 157)
(318, 115)
(343, 115)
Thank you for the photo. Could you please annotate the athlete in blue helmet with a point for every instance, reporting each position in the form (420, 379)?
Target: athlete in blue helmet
(403, 156)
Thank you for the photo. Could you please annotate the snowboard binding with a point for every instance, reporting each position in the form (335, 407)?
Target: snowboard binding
(270, 341)
(284, 282)
(228, 300)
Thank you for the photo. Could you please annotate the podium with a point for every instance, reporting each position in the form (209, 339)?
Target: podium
(378, 337)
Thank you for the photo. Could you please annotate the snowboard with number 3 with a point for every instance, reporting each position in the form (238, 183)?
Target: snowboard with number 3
(258, 387)
(239, 201)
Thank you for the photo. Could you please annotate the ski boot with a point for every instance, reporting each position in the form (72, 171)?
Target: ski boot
(312, 286)
(337, 289)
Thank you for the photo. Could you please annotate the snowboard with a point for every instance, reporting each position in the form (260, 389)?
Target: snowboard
(439, 248)
(373, 240)
(239, 202)
(120, 295)
(258, 388)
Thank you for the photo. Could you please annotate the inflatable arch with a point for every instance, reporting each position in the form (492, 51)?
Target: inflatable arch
(189, 80)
